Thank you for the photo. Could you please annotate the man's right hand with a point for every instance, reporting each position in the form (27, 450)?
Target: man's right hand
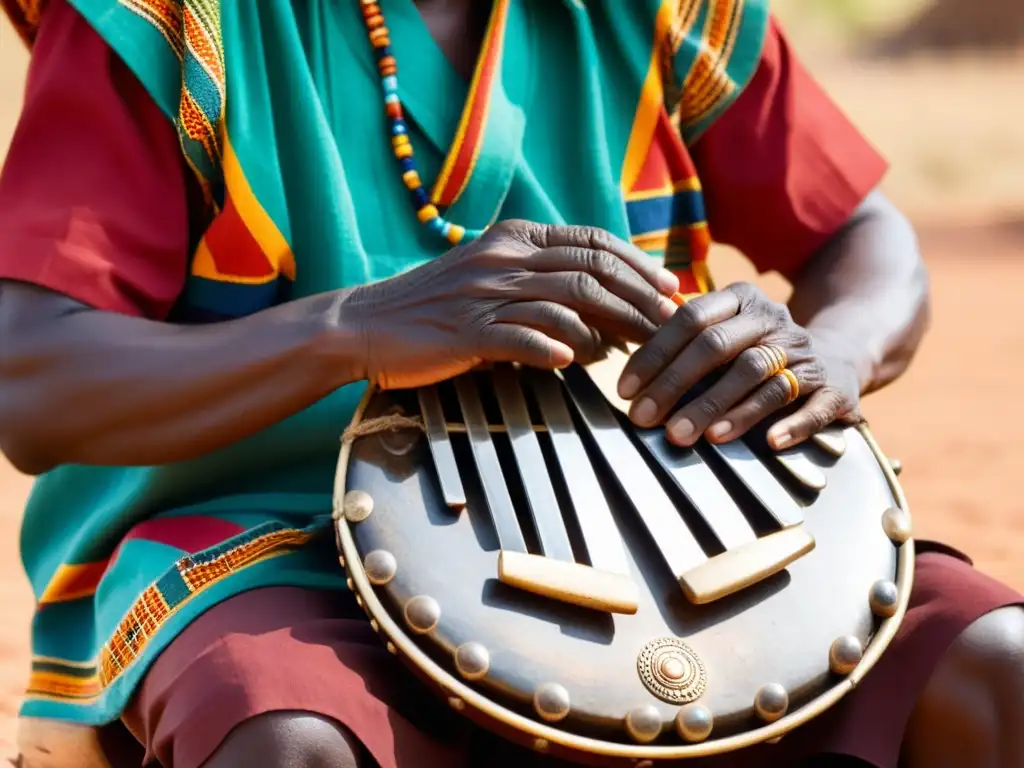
(527, 293)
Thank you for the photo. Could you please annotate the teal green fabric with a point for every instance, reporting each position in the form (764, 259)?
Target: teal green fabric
(301, 106)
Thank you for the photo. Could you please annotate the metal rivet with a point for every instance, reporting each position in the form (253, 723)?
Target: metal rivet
(644, 723)
(845, 654)
(456, 703)
(771, 702)
(342, 561)
(359, 600)
(357, 506)
(884, 598)
(422, 614)
(472, 660)
(541, 745)
(832, 441)
(776, 740)
(694, 722)
(380, 566)
(350, 584)
(896, 524)
(374, 625)
(391, 649)
(643, 764)
(551, 701)
(897, 466)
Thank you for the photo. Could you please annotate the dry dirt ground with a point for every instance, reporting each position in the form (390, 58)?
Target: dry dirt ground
(952, 131)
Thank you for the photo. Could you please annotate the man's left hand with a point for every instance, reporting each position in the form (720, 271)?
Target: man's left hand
(771, 361)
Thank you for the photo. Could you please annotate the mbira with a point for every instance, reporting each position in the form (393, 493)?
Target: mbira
(580, 585)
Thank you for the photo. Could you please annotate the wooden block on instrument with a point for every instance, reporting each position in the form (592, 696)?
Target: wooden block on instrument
(569, 582)
(736, 569)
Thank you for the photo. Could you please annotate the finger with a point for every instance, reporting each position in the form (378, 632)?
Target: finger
(612, 272)
(555, 322)
(689, 320)
(776, 393)
(709, 350)
(752, 368)
(820, 410)
(594, 303)
(508, 343)
(597, 239)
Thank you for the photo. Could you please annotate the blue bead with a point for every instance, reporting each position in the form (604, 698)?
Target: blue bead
(436, 224)
(420, 197)
(407, 164)
(472, 234)
(398, 127)
(383, 51)
(446, 229)
(391, 98)
(390, 84)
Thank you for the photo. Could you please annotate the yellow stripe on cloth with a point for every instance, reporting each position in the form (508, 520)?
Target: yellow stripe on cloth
(256, 220)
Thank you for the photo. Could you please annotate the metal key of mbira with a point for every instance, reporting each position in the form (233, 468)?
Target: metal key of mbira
(641, 468)
(584, 586)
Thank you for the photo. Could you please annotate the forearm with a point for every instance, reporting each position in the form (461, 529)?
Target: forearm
(89, 387)
(865, 295)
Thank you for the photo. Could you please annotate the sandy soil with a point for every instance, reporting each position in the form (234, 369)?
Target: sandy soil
(958, 152)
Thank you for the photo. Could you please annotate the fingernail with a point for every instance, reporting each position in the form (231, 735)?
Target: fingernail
(667, 282)
(780, 439)
(681, 431)
(719, 430)
(668, 308)
(629, 385)
(644, 411)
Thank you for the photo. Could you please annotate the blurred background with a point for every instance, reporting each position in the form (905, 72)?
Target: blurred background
(938, 86)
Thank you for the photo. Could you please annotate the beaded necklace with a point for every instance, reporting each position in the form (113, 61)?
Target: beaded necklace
(462, 154)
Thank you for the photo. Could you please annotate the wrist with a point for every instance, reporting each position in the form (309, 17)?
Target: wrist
(337, 342)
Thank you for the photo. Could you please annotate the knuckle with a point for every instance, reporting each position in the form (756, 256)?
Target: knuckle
(745, 290)
(670, 384)
(590, 237)
(527, 338)
(555, 315)
(753, 365)
(715, 340)
(650, 357)
(691, 316)
(757, 365)
(709, 407)
(601, 263)
(584, 288)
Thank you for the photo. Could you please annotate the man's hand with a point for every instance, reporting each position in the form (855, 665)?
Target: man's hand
(742, 328)
(527, 293)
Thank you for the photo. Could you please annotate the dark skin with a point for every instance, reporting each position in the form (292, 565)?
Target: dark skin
(137, 392)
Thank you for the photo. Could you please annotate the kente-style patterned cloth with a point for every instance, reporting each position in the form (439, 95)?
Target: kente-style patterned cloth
(279, 116)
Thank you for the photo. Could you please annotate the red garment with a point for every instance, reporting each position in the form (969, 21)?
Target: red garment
(288, 649)
(94, 194)
(783, 169)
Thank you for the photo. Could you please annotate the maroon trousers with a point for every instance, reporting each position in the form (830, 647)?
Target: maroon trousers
(291, 649)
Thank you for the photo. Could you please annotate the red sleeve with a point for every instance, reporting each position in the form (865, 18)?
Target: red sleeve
(93, 195)
(783, 168)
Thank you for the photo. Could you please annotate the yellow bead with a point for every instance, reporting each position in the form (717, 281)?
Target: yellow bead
(426, 213)
(412, 179)
(455, 234)
(404, 151)
(399, 140)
